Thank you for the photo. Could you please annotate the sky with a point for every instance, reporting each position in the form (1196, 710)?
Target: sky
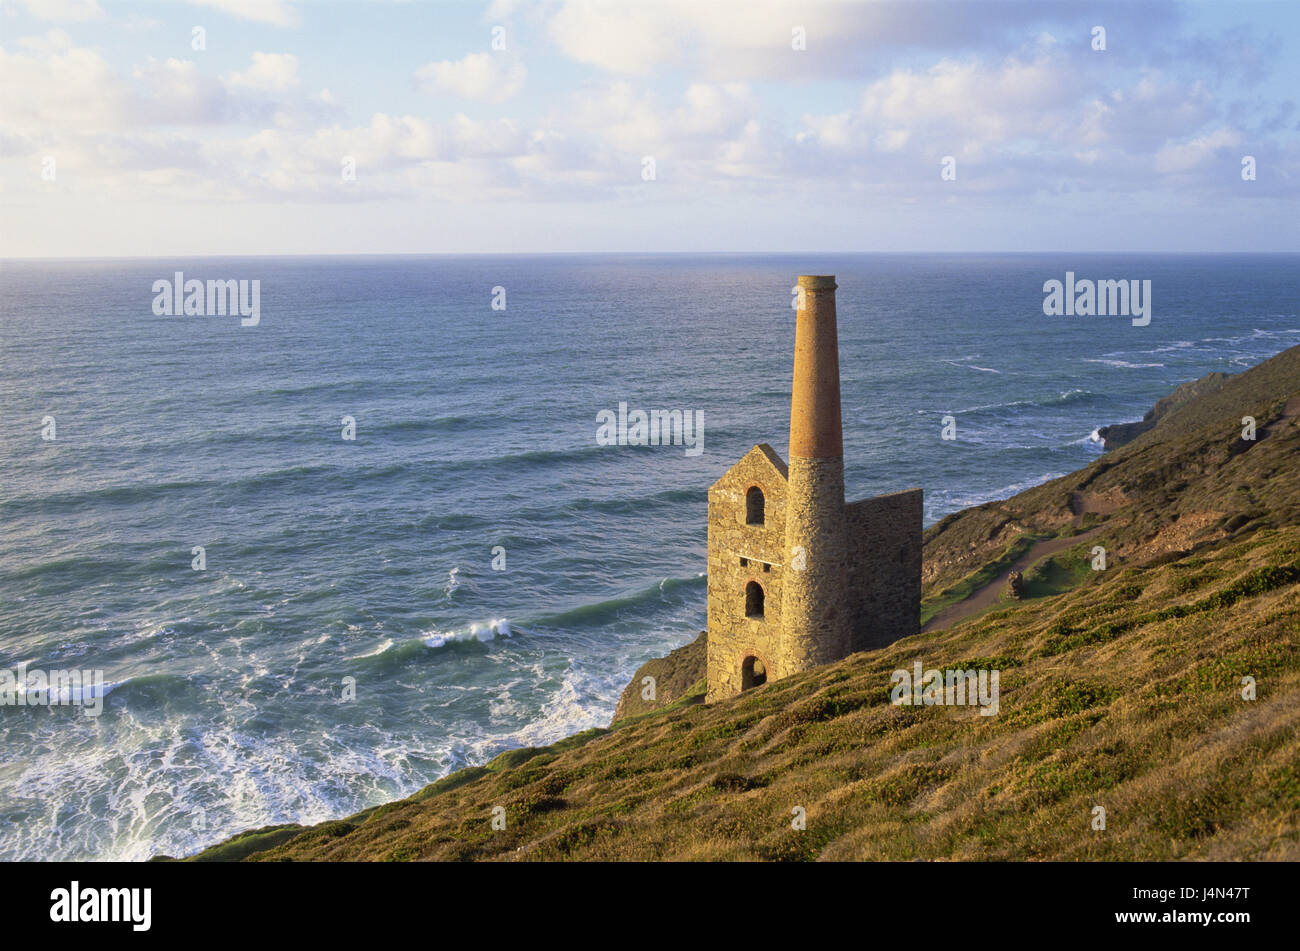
(196, 127)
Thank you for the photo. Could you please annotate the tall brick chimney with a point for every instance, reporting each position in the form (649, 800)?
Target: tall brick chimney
(814, 609)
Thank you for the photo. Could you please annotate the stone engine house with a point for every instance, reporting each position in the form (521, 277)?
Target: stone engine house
(796, 577)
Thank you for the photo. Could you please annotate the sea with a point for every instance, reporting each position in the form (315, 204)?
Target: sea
(293, 625)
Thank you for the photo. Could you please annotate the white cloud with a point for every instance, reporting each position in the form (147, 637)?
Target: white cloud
(632, 40)
(1040, 115)
(269, 72)
(51, 89)
(135, 23)
(1051, 102)
(752, 39)
(624, 118)
(973, 100)
(484, 77)
(272, 12)
(75, 11)
(1184, 157)
(61, 99)
(723, 39)
(175, 92)
(501, 10)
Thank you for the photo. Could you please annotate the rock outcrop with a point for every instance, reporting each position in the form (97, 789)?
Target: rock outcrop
(674, 676)
(1120, 433)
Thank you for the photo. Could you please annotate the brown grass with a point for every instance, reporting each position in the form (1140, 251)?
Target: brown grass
(1120, 688)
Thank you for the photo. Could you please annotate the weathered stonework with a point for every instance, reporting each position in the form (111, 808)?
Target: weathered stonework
(815, 619)
(884, 568)
(796, 577)
(740, 553)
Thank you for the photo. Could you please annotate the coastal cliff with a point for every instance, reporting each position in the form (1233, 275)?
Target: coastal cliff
(1162, 686)
(1117, 434)
(1021, 533)
(677, 678)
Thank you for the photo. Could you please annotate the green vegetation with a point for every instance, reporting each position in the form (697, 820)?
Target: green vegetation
(245, 844)
(1128, 688)
(1189, 481)
(968, 585)
(1141, 722)
(1058, 573)
(692, 696)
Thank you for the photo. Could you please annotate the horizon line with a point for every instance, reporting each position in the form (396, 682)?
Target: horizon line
(605, 253)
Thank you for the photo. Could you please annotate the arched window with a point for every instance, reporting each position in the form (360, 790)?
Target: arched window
(752, 673)
(754, 506)
(754, 600)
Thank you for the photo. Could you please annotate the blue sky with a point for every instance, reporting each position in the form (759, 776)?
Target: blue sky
(119, 137)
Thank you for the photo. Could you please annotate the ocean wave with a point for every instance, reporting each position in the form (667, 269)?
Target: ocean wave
(1178, 346)
(393, 656)
(945, 503)
(1071, 397)
(1258, 333)
(434, 424)
(971, 366)
(1124, 364)
(335, 386)
(132, 494)
(384, 646)
(585, 615)
(64, 695)
(482, 633)
(370, 428)
(453, 522)
(630, 505)
(600, 611)
(332, 475)
(571, 709)
(134, 686)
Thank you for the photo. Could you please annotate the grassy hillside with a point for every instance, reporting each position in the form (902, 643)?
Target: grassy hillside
(1119, 688)
(1188, 481)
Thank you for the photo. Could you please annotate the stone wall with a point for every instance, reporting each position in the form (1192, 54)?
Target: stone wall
(878, 551)
(816, 626)
(732, 635)
(884, 568)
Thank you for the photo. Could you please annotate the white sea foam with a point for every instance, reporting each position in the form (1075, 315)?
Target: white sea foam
(489, 630)
(385, 645)
(1092, 442)
(64, 695)
(1123, 363)
(971, 366)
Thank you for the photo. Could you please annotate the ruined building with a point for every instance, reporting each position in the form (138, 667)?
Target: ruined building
(798, 578)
